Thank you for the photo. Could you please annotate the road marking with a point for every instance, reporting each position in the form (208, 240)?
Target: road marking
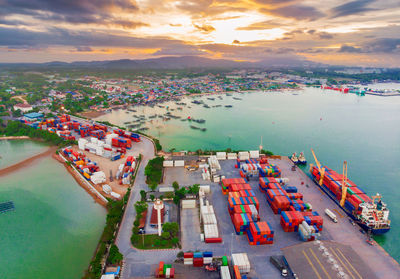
(351, 274)
(312, 265)
(323, 268)
(352, 267)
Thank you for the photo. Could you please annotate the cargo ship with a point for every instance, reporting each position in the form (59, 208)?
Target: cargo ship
(372, 215)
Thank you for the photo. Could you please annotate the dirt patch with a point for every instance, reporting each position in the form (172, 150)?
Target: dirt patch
(14, 138)
(27, 162)
(92, 114)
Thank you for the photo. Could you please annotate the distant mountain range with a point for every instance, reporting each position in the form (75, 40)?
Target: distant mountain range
(172, 62)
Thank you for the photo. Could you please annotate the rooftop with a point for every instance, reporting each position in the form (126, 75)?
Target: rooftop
(33, 115)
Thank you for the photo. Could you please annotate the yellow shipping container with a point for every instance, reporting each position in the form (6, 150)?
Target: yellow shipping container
(78, 163)
(85, 174)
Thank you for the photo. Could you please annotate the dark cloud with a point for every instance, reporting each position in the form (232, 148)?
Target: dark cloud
(75, 11)
(351, 8)
(83, 49)
(385, 45)
(204, 28)
(179, 49)
(236, 42)
(296, 11)
(175, 25)
(351, 49)
(311, 31)
(128, 24)
(15, 37)
(325, 36)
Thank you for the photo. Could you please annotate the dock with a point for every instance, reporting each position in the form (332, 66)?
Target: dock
(6, 206)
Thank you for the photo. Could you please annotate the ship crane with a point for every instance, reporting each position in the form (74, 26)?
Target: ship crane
(321, 169)
(344, 184)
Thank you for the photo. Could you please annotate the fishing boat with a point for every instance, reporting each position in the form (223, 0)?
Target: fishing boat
(302, 159)
(236, 98)
(228, 106)
(294, 158)
(370, 213)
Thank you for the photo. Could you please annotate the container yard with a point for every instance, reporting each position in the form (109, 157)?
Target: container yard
(246, 207)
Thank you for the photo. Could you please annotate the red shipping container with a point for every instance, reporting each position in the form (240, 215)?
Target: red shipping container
(213, 240)
(198, 262)
(187, 255)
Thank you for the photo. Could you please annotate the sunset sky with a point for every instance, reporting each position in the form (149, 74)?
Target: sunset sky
(354, 33)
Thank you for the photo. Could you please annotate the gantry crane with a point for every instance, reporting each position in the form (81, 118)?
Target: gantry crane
(321, 169)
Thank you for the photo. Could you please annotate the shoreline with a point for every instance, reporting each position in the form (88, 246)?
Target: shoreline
(79, 181)
(14, 138)
(27, 162)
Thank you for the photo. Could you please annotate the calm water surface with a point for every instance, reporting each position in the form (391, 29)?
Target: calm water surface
(365, 131)
(55, 227)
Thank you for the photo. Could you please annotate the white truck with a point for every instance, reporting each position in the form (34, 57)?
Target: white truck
(331, 215)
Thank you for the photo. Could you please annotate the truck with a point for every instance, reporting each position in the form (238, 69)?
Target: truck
(278, 262)
(331, 215)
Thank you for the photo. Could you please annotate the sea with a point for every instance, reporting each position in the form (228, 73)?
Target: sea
(362, 130)
(55, 227)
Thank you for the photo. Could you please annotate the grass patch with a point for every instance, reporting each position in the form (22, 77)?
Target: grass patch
(151, 241)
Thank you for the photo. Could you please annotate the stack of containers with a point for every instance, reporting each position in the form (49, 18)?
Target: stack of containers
(188, 258)
(313, 219)
(278, 200)
(269, 170)
(290, 220)
(260, 233)
(165, 271)
(198, 260)
(242, 262)
(224, 272)
(247, 208)
(225, 183)
(241, 222)
(207, 257)
(121, 142)
(135, 137)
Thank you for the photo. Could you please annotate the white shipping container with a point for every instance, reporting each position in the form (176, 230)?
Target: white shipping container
(165, 189)
(254, 154)
(203, 166)
(100, 143)
(107, 189)
(207, 260)
(121, 167)
(209, 219)
(221, 155)
(211, 231)
(188, 203)
(205, 188)
(225, 274)
(93, 140)
(167, 164)
(115, 195)
(244, 155)
(179, 163)
(232, 156)
(242, 261)
(188, 261)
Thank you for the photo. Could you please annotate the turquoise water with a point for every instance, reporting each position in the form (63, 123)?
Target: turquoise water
(55, 227)
(14, 151)
(365, 131)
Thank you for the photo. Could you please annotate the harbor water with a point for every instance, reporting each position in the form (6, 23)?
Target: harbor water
(14, 151)
(363, 130)
(55, 227)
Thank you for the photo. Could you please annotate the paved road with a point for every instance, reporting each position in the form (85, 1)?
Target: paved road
(139, 263)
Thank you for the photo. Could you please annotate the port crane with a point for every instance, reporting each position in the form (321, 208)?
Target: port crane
(344, 184)
(321, 169)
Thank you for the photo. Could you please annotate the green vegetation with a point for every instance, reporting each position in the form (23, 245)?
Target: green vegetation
(228, 150)
(153, 170)
(114, 257)
(16, 128)
(168, 239)
(114, 217)
(266, 152)
(179, 194)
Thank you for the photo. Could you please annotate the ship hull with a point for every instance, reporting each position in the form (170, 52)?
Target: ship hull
(349, 213)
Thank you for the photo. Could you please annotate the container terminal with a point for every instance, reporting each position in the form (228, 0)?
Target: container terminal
(290, 222)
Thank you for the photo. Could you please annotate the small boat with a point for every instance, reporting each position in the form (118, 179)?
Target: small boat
(228, 106)
(194, 127)
(302, 159)
(236, 98)
(228, 94)
(212, 99)
(203, 129)
(294, 158)
(206, 106)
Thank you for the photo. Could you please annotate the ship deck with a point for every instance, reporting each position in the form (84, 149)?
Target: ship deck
(374, 256)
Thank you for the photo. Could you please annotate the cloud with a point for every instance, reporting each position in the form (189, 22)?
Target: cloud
(296, 11)
(350, 49)
(75, 11)
(204, 28)
(236, 42)
(269, 24)
(179, 49)
(351, 8)
(324, 35)
(385, 45)
(83, 49)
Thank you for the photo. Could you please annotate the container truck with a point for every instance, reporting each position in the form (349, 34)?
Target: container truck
(331, 215)
(279, 264)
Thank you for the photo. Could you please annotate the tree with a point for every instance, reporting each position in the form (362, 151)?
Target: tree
(114, 256)
(175, 241)
(165, 235)
(143, 195)
(17, 113)
(153, 186)
(172, 228)
(152, 197)
(194, 189)
(175, 185)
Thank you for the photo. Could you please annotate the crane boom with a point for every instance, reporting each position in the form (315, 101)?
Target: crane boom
(344, 184)
(321, 169)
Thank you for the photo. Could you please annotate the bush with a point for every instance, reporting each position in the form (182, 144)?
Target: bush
(114, 256)
(175, 241)
(165, 235)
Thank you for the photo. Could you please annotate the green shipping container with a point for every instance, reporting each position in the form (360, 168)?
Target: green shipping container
(224, 261)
